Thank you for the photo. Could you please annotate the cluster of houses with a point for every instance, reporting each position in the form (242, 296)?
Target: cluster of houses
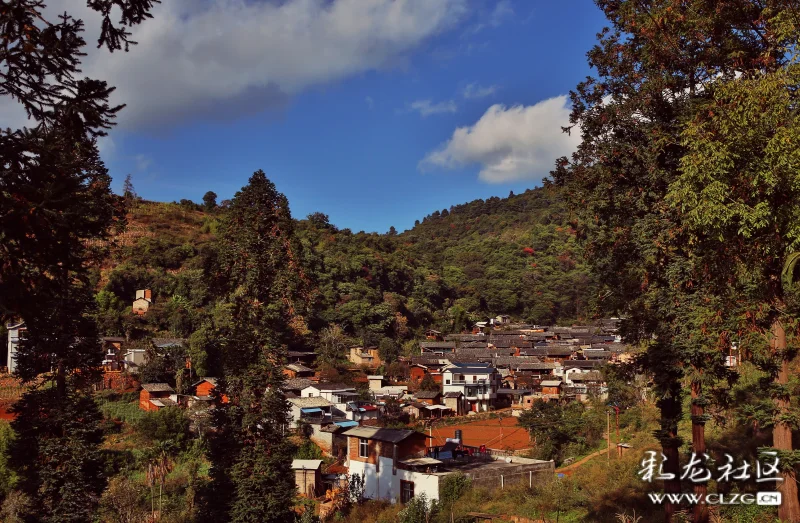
(477, 372)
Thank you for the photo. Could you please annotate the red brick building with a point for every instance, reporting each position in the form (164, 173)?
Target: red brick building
(155, 396)
(204, 388)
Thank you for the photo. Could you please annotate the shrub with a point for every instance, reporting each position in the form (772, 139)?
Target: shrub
(453, 486)
(167, 424)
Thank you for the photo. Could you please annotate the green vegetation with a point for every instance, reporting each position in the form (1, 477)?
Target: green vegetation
(564, 431)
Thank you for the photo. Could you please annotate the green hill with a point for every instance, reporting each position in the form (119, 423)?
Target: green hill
(514, 255)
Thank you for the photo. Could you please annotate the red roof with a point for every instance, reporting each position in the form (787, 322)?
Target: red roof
(369, 407)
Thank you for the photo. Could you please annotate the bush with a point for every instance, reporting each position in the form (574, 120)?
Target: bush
(308, 450)
(419, 510)
(165, 425)
(453, 487)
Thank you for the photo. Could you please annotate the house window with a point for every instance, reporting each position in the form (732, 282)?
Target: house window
(447, 382)
(363, 448)
(310, 394)
(406, 491)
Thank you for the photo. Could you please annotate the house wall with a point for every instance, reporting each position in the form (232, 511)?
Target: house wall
(204, 389)
(412, 446)
(141, 306)
(144, 401)
(383, 482)
(455, 404)
(417, 373)
(13, 344)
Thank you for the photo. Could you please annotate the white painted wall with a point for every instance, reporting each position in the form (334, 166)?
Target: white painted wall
(13, 343)
(380, 483)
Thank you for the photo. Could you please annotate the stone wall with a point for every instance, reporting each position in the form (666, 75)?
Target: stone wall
(515, 473)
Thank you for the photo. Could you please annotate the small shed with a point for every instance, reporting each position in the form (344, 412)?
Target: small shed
(308, 476)
(155, 396)
(431, 397)
(551, 387)
(142, 302)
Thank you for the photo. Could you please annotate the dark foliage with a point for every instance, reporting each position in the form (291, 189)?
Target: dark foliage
(55, 454)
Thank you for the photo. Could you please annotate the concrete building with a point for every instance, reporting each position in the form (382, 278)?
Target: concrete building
(376, 453)
(477, 382)
(396, 465)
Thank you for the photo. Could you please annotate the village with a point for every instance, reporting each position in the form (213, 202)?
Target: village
(499, 369)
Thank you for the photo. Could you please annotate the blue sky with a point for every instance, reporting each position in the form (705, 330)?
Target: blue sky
(357, 122)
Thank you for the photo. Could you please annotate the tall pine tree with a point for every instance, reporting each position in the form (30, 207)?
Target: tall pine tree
(262, 315)
(55, 200)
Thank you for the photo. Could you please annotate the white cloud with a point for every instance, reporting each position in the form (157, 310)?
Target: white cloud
(370, 102)
(226, 58)
(107, 148)
(143, 162)
(426, 108)
(475, 90)
(510, 143)
(494, 19)
(501, 11)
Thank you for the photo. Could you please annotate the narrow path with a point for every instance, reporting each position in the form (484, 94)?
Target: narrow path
(569, 469)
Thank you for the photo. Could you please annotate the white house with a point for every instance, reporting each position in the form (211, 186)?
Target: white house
(313, 410)
(14, 332)
(478, 382)
(338, 394)
(389, 460)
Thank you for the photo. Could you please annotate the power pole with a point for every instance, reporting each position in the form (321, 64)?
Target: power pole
(619, 449)
(608, 435)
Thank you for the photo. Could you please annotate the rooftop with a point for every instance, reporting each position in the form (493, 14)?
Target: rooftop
(308, 464)
(305, 403)
(379, 434)
(297, 383)
(427, 394)
(332, 386)
(594, 375)
(157, 387)
(164, 343)
(551, 383)
(296, 367)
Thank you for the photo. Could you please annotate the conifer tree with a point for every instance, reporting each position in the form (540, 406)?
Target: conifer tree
(262, 315)
(56, 202)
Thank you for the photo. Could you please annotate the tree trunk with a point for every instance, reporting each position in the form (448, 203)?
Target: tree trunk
(789, 510)
(670, 407)
(700, 510)
(671, 465)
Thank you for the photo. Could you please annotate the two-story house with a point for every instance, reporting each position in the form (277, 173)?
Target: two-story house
(380, 457)
(477, 382)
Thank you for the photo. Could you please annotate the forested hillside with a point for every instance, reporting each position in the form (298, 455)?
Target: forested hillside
(514, 255)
